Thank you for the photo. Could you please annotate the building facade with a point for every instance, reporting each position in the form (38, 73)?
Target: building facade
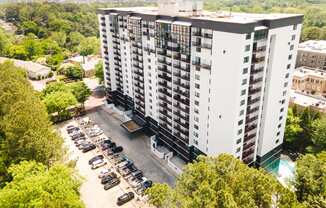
(203, 83)
(312, 53)
(309, 81)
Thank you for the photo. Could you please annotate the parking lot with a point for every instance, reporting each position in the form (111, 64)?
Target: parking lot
(135, 148)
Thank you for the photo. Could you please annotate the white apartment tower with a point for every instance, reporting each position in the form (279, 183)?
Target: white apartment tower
(203, 82)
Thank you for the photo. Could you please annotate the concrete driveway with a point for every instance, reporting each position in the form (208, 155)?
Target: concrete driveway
(136, 147)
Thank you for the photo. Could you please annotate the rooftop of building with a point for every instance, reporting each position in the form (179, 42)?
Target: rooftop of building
(304, 71)
(29, 66)
(304, 100)
(220, 16)
(314, 46)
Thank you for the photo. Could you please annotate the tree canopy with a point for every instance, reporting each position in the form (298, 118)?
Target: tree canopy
(25, 130)
(222, 181)
(34, 185)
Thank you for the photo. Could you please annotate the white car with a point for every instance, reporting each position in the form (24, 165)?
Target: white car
(98, 163)
(104, 172)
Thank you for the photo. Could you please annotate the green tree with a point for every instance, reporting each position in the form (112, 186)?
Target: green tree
(222, 181)
(33, 185)
(29, 27)
(17, 52)
(59, 37)
(99, 71)
(89, 46)
(310, 180)
(293, 129)
(319, 135)
(74, 39)
(54, 87)
(25, 130)
(80, 91)
(58, 102)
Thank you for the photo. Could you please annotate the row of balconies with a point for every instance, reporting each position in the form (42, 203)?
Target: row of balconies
(184, 117)
(184, 77)
(179, 83)
(185, 93)
(181, 67)
(165, 77)
(202, 65)
(183, 109)
(165, 99)
(202, 34)
(185, 101)
(165, 92)
(164, 84)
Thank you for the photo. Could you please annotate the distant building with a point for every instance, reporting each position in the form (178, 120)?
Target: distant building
(312, 53)
(202, 82)
(310, 81)
(87, 63)
(35, 71)
(303, 101)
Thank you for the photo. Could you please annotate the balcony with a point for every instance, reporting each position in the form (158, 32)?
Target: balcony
(165, 99)
(185, 101)
(164, 106)
(182, 92)
(138, 72)
(165, 92)
(163, 61)
(138, 91)
(207, 35)
(247, 153)
(183, 124)
(252, 101)
(184, 77)
(247, 146)
(140, 104)
(184, 68)
(253, 91)
(164, 69)
(184, 117)
(249, 120)
(186, 86)
(138, 66)
(164, 112)
(139, 79)
(178, 128)
(165, 120)
(256, 71)
(165, 77)
(183, 109)
(164, 84)
(255, 81)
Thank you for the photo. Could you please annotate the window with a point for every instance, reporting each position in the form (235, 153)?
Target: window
(281, 110)
(244, 81)
(196, 118)
(197, 77)
(290, 57)
(287, 75)
(280, 118)
(291, 47)
(196, 102)
(239, 131)
(196, 126)
(277, 141)
(284, 92)
(246, 59)
(242, 102)
(288, 66)
(196, 134)
(285, 84)
(197, 94)
(197, 86)
(196, 110)
(278, 133)
(279, 126)
(195, 142)
(243, 92)
(241, 113)
(238, 141)
(245, 71)
(295, 27)
(248, 36)
(240, 122)
(247, 48)
(293, 37)
(238, 149)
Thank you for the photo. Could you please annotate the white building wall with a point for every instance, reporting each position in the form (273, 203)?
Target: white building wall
(280, 41)
(224, 101)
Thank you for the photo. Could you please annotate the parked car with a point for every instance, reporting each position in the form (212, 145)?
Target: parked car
(124, 164)
(140, 190)
(71, 128)
(88, 148)
(77, 135)
(109, 177)
(104, 147)
(97, 157)
(81, 142)
(112, 145)
(83, 145)
(114, 182)
(106, 141)
(117, 149)
(104, 172)
(124, 198)
(147, 183)
(98, 163)
(137, 174)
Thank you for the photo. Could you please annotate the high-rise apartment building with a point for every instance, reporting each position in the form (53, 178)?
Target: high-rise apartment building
(203, 82)
(312, 53)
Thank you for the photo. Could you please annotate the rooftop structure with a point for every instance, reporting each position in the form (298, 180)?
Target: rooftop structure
(312, 53)
(304, 100)
(34, 70)
(200, 81)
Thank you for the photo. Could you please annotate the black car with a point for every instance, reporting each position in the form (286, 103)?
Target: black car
(117, 149)
(97, 157)
(137, 174)
(108, 178)
(112, 145)
(107, 141)
(124, 198)
(88, 148)
(112, 183)
(71, 128)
